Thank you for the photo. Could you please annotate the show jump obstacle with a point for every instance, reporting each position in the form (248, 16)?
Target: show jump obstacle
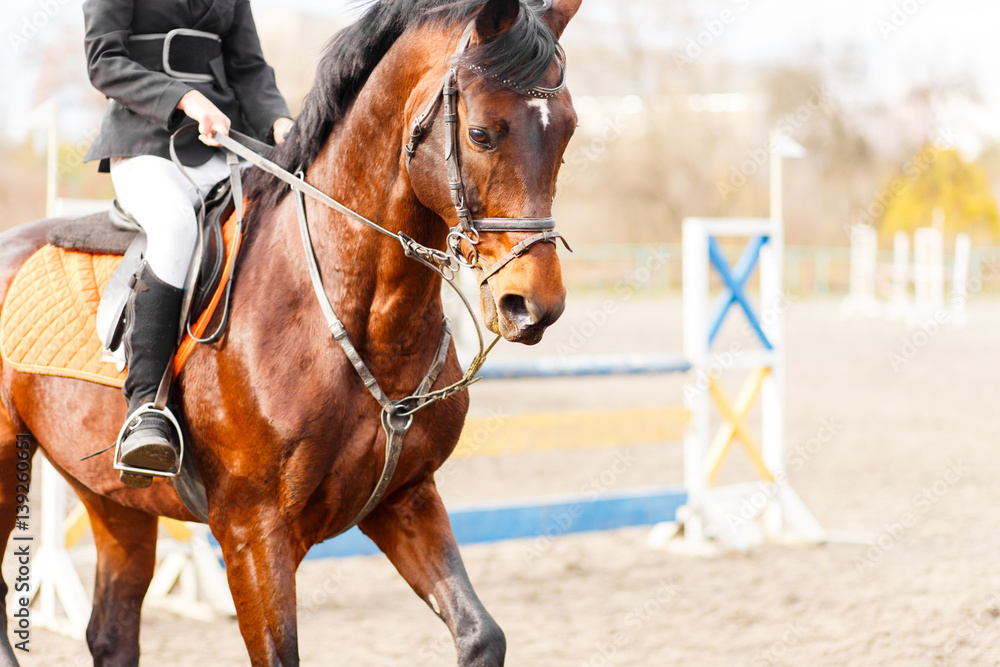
(738, 515)
(928, 297)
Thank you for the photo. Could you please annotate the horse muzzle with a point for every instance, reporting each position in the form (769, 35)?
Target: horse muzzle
(518, 317)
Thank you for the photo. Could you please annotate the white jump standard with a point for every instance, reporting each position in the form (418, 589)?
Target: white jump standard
(739, 515)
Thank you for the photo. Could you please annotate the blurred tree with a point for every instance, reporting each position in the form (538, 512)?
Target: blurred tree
(989, 158)
(934, 178)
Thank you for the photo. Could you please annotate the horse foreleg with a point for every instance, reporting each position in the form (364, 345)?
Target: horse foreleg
(411, 527)
(260, 566)
(126, 557)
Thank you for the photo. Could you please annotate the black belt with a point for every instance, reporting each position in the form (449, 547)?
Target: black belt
(186, 55)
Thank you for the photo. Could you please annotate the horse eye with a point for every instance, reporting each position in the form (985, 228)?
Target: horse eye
(479, 137)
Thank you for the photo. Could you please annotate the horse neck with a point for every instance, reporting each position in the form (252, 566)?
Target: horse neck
(389, 303)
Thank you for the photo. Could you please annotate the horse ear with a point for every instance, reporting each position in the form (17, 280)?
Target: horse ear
(495, 18)
(560, 14)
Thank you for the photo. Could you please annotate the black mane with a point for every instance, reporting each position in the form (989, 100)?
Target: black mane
(519, 58)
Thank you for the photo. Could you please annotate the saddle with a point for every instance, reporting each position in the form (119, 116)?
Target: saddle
(115, 232)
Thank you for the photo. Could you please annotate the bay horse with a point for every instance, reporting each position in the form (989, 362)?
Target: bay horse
(286, 436)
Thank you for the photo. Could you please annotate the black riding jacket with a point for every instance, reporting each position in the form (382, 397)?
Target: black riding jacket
(143, 111)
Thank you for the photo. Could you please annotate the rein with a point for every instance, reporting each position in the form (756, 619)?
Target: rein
(397, 415)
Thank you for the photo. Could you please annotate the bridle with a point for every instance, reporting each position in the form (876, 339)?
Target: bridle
(469, 228)
(397, 415)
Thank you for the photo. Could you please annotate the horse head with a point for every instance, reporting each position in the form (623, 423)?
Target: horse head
(501, 138)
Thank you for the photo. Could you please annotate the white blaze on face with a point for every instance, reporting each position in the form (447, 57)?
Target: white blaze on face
(543, 109)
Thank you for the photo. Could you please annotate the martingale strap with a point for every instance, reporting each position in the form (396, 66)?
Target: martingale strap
(396, 418)
(396, 427)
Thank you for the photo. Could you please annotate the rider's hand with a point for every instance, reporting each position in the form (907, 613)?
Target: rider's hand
(210, 119)
(281, 128)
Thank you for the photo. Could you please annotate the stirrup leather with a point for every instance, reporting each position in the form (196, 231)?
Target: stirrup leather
(147, 408)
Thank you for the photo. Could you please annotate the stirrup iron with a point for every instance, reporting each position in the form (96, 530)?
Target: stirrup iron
(147, 408)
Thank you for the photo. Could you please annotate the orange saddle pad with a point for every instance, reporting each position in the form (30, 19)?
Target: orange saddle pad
(49, 320)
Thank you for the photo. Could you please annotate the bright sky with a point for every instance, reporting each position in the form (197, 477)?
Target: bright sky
(901, 43)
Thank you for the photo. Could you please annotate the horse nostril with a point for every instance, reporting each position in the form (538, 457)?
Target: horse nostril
(516, 310)
(535, 311)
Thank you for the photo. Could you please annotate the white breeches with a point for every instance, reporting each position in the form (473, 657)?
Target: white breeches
(163, 202)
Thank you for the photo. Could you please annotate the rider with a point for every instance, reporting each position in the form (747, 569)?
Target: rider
(161, 64)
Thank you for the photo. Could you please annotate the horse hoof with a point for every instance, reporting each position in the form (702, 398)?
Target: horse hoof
(136, 481)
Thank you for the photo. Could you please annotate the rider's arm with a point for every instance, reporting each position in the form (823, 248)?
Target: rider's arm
(152, 95)
(250, 75)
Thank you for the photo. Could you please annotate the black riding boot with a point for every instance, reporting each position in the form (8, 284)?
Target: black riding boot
(151, 327)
